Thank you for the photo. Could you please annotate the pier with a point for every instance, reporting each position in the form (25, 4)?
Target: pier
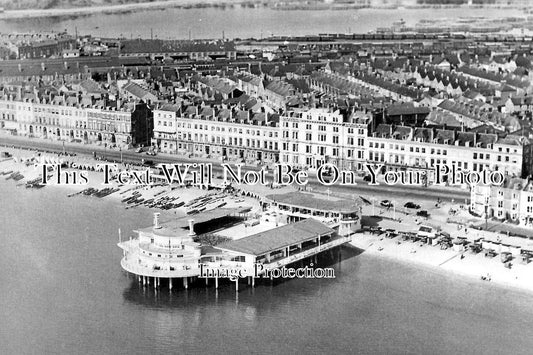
(170, 253)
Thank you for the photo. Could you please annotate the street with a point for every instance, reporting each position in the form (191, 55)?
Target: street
(382, 191)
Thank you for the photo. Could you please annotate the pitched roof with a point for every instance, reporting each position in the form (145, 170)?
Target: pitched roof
(278, 238)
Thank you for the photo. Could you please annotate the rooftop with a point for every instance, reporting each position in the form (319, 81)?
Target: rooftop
(176, 228)
(278, 238)
(311, 201)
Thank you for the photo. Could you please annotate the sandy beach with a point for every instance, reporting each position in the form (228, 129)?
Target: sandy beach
(472, 266)
(111, 9)
(29, 164)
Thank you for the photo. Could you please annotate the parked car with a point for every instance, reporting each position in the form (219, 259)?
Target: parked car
(411, 205)
(423, 213)
(386, 203)
(139, 150)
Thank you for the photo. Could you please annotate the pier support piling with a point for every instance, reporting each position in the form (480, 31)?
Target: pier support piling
(170, 284)
(185, 283)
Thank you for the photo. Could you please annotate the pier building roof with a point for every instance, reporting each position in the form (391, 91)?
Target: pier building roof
(211, 215)
(310, 201)
(278, 238)
(177, 227)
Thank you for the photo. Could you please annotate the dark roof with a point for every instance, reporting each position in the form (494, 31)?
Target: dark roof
(211, 215)
(406, 109)
(34, 67)
(278, 238)
(174, 46)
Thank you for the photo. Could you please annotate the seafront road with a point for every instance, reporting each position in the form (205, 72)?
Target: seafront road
(382, 191)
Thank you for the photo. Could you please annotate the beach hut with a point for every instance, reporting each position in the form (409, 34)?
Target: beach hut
(525, 256)
(426, 234)
(458, 244)
(506, 256)
(490, 253)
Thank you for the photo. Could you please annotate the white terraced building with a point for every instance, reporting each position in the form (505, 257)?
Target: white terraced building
(217, 132)
(513, 201)
(316, 136)
(63, 118)
(402, 147)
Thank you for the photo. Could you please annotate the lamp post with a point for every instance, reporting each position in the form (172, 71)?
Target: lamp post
(105, 150)
(486, 211)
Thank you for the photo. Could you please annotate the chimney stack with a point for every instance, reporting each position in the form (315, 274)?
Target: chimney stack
(156, 220)
(191, 228)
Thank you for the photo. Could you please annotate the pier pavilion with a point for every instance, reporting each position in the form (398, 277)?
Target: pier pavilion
(278, 247)
(340, 214)
(168, 250)
(162, 251)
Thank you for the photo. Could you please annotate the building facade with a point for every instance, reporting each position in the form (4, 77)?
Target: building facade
(218, 132)
(402, 147)
(512, 201)
(61, 119)
(310, 138)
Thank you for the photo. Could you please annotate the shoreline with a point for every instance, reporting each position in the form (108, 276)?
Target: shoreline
(430, 258)
(468, 274)
(75, 12)
(118, 8)
(24, 162)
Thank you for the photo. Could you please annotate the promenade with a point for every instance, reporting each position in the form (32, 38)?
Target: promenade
(382, 191)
